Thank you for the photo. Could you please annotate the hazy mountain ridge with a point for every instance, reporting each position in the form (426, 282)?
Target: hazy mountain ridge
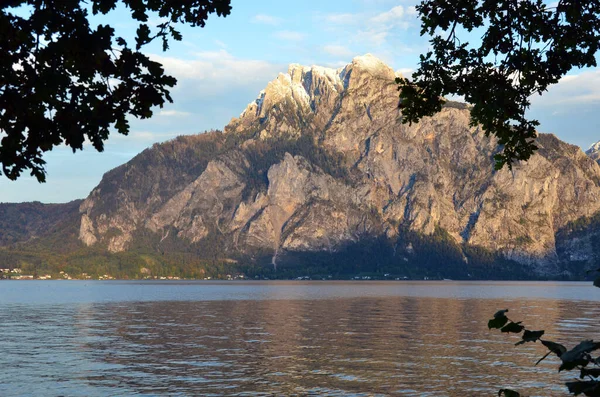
(22, 222)
(320, 163)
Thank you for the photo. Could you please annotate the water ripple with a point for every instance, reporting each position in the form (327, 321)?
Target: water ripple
(347, 346)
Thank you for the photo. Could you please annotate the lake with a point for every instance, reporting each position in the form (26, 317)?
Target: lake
(178, 338)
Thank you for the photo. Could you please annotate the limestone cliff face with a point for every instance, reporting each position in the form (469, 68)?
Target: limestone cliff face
(321, 159)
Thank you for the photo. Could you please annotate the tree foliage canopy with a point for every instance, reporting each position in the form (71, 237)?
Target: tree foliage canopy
(525, 46)
(63, 80)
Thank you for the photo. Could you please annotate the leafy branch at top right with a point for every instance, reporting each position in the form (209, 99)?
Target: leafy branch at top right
(523, 47)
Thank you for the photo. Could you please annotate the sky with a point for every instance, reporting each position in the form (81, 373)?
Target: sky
(222, 67)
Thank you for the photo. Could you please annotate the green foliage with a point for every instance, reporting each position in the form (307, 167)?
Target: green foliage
(411, 255)
(24, 221)
(525, 47)
(63, 80)
(124, 265)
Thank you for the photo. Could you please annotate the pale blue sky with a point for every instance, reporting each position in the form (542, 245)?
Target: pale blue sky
(222, 67)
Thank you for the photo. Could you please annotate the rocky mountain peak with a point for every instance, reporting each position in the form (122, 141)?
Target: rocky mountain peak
(371, 64)
(311, 95)
(594, 151)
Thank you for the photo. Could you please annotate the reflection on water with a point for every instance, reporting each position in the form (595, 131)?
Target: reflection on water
(361, 346)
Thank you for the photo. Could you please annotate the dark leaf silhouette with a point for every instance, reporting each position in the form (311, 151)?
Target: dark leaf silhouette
(508, 393)
(593, 372)
(513, 327)
(579, 355)
(589, 388)
(525, 47)
(530, 336)
(64, 81)
(499, 319)
(555, 348)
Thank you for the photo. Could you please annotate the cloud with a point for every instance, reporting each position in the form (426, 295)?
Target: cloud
(382, 2)
(267, 19)
(221, 44)
(172, 113)
(337, 50)
(342, 19)
(373, 29)
(210, 70)
(212, 86)
(397, 17)
(572, 90)
(336, 64)
(290, 35)
(569, 108)
(372, 37)
(392, 15)
(145, 137)
(405, 72)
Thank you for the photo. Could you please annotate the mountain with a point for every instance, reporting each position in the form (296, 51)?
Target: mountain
(24, 222)
(318, 173)
(594, 151)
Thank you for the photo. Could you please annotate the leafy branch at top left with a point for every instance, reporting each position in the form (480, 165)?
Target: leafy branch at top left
(63, 81)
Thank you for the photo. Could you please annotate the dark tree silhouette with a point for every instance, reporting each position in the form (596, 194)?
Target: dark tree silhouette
(62, 80)
(525, 47)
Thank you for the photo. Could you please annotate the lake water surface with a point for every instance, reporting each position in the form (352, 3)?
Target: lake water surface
(118, 338)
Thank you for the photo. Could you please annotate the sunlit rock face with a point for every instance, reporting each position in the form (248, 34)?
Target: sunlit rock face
(321, 159)
(594, 152)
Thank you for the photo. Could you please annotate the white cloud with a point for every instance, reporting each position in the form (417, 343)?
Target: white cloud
(173, 113)
(372, 37)
(267, 19)
(221, 44)
(398, 17)
(572, 90)
(335, 64)
(208, 71)
(382, 2)
(337, 50)
(290, 35)
(405, 72)
(141, 136)
(342, 19)
(373, 29)
(390, 16)
(212, 86)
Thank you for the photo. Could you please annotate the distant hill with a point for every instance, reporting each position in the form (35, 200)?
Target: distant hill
(24, 222)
